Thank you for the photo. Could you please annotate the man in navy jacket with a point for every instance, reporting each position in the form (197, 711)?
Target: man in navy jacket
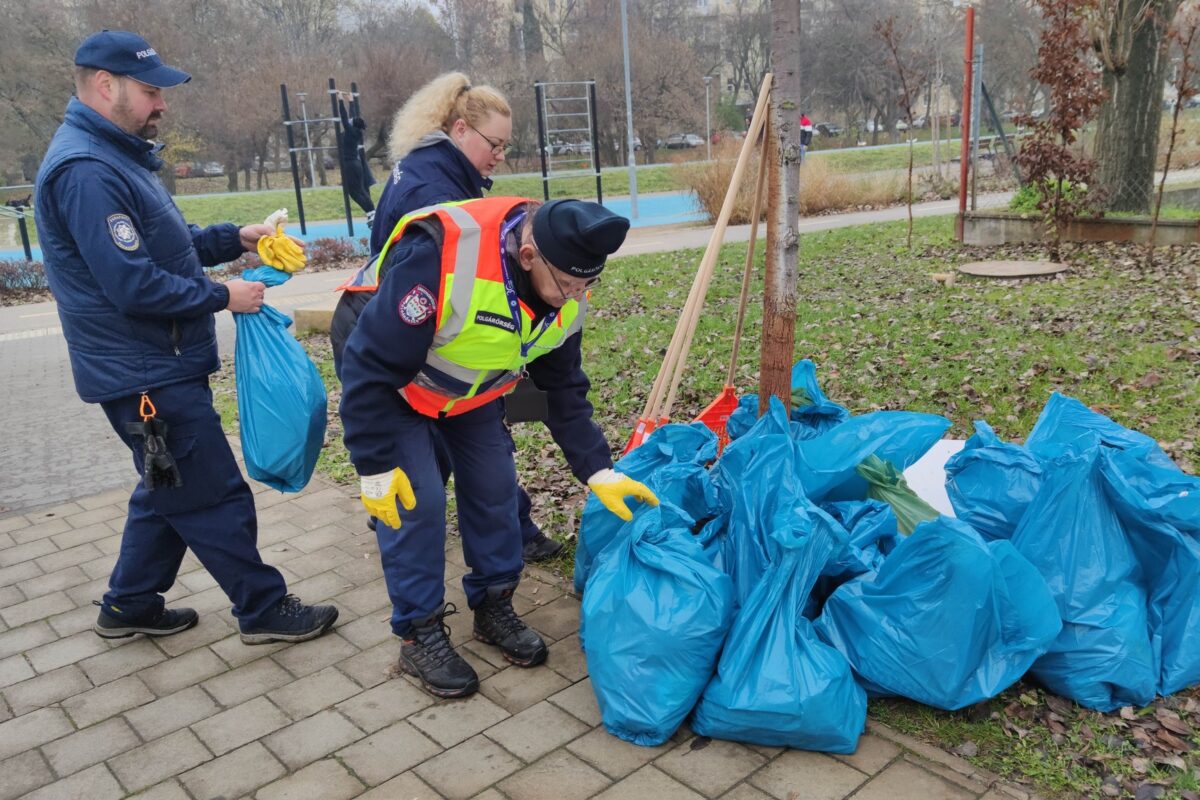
(137, 312)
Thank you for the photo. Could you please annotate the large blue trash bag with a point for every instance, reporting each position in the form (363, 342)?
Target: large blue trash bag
(948, 620)
(812, 412)
(661, 612)
(691, 444)
(1065, 419)
(777, 683)
(1160, 507)
(991, 482)
(1071, 533)
(757, 483)
(873, 533)
(280, 395)
(827, 463)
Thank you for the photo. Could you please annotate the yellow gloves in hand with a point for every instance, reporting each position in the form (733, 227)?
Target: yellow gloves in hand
(380, 492)
(611, 487)
(280, 250)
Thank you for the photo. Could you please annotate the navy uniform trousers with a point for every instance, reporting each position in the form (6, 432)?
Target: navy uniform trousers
(485, 491)
(212, 513)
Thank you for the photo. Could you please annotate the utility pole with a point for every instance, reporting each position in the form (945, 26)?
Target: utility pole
(633, 211)
(707, 117)
(783, 208)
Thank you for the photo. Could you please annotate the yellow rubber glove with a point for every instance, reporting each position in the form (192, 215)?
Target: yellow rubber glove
(611, 487)
(380, 492)
(280, 250)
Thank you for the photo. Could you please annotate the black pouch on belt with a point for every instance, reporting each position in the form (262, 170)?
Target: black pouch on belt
(158, 469)
(526, 403)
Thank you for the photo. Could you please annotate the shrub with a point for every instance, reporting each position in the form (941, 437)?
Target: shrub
(329, 252)
(1030, 197)
(21, 281)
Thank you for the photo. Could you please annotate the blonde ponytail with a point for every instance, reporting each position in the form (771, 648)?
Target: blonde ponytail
(438, 104)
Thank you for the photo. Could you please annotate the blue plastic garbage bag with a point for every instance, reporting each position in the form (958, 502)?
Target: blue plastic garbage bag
(1071, 533)
(812, 411)
(777, 683)
(1065, 419)
(873, 533)
(827, 463)
(1160, 508)
(662, 612)
(692, 444)
(757, 483)
(991, 482)
(280, 395)
(948, 620)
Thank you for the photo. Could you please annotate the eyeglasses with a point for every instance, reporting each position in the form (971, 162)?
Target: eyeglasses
(498, 148)
(576, 290)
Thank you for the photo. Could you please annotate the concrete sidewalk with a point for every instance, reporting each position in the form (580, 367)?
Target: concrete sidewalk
(200, 715)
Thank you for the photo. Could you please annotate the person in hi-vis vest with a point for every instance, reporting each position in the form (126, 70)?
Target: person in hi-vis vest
(477, 293)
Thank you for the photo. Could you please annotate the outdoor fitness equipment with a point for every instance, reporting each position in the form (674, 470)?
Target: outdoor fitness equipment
(566, 115)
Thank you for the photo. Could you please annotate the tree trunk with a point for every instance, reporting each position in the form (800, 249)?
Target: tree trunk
(1127, 135)
(783, 207)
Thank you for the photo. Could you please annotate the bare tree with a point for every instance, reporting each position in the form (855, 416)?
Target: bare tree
(904, 58)
(745, 43)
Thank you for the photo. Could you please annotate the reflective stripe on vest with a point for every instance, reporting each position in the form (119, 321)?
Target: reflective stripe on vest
(366, 278)
(472, 362)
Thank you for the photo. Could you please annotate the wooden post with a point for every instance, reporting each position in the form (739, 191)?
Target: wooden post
(783, 208)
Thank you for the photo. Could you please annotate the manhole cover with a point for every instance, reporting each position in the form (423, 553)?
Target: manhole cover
(1012, 269)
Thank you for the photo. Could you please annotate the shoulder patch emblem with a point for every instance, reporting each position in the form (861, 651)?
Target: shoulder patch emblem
(124, 235)
(417, 306)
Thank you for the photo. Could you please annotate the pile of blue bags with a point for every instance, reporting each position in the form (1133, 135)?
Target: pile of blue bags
(281, 398)
(785, 581)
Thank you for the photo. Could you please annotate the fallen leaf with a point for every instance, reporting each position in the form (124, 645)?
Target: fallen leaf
(1139, 765)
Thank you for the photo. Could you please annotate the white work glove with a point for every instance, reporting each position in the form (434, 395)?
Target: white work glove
(611, 488)
(277, 218)
(380, 492)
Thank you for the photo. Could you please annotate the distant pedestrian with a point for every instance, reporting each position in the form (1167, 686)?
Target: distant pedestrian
(806, 135)
(356, 175)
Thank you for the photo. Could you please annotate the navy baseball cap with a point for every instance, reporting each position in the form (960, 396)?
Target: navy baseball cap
(127, 54)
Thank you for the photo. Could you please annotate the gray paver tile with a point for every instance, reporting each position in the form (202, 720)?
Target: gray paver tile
(122, 661)
(308, 657)
(873, 754)
(95, 516)
(320, 587)
(114, 497)
(367, 598)
(536, 731)
(69, 650)
(247, 681)
(557, 620)
(168, 790)
(41, 530)
(171, 713)
(233, 774)
(61, 580)
(45, 690)
(104, 701)
(579, 700)
(234, 653)
(14, 669)
(39, 608)
(95, 783)
(362, 571)
(90, 746)
(26, 552)
(452, 721)
(518, 689)
(814, 775)
(366, 631)
(306, 566)
(406, 785)
(967, 782)
(23, 773)
(19, 572)
(384, 704)
(181, 671)
(10, 596)
(327, 536)
(650, 782)
(612, 756)
(73, 621)
(211, 628)
(906, 781)
(81, 535)
(326, 779)
(386, 753)
(100, 567)
(570, 778)
(69, 557)
(313, 738)
(25, 638)
(197, 581)
(744, 791)
(241, 724)
(567, 659)
(310, 694)
(373, 666)
(158, 760)
(51, 512)
(468, 768)
(712, 769)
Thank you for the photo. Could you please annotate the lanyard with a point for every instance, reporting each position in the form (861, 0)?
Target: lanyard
(510, 292)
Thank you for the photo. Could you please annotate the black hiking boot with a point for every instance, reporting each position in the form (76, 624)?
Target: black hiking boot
(496, 623)
(290, 620)
(541, 548)
(426, 652)
(168, 621)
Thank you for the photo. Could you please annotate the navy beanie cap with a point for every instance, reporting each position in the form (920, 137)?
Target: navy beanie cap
(576, 236)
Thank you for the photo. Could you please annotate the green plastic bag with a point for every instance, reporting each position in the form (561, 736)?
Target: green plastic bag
(887, 483)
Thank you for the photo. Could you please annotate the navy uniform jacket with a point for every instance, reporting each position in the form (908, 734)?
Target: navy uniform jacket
(431, 174)
(384, 353)
(125, 268)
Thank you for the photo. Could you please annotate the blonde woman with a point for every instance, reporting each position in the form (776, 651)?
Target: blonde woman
(446, 141)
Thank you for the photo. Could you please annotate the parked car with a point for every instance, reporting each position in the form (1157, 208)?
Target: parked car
(184, 170)
(213, 168)
(576, 149)
(828, 129)
(678, 141)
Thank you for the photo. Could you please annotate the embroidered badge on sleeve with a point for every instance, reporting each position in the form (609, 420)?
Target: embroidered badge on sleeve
(417, 306)
(124, 235)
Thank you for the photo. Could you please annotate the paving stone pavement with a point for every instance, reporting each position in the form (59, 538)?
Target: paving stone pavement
(200, 715)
